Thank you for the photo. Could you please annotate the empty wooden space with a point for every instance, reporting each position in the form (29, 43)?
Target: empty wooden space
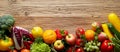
(63, 14)
(69, 24)
(60, 8)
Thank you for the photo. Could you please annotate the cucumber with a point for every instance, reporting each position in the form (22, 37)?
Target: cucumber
(114, 31)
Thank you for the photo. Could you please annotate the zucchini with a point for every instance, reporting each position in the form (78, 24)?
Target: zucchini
(114, 19)
(114, 31)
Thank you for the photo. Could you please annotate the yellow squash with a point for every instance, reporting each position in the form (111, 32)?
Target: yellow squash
(114, 19)
(107, 31)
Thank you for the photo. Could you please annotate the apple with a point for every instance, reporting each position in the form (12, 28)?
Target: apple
(58, 45)
(102, 36)
(79, 42)
(70, 39)
(80, 49)
(96, 25)
(79, 31)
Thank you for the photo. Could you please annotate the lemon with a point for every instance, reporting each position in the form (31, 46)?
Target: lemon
(37, 32)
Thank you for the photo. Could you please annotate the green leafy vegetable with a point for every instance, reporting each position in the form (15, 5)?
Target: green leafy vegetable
(39, 46)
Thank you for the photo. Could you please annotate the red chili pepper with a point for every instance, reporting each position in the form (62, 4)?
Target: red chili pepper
(106, 46)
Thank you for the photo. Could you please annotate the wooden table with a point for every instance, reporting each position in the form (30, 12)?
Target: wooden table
(63, 14)
(60, 8)
(68, 23)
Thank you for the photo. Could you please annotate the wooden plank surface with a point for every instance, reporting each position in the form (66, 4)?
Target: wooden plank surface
(4, 8)
(69, 24)
(60, 8)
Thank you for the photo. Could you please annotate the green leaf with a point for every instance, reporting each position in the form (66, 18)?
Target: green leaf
(62, 32)
(38, 40)
(98, 30)
(114, 40)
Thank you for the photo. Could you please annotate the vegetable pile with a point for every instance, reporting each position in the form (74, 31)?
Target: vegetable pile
(40, 46)
(101, 37)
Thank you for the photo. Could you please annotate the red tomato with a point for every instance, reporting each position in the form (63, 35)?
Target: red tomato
(70, 49)
(13, 50)
(80, 31)
(25, 50)
(79, 42)
(79, 50)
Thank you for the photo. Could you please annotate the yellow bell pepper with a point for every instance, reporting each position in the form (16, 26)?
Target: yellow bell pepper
(5, 44)
(107, 31)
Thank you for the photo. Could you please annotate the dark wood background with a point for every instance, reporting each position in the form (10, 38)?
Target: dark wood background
(65, 14)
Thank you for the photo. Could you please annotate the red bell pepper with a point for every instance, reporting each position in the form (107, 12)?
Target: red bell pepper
(61, 33)
(59, 36)
(106, 46)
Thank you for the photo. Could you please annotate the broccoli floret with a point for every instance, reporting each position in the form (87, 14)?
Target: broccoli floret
(6, 21)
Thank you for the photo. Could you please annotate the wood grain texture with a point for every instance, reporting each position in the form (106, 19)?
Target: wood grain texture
(69, 24)
(4, 8)
(60, 8)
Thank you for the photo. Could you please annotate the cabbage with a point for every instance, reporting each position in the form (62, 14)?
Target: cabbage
(39, 46)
